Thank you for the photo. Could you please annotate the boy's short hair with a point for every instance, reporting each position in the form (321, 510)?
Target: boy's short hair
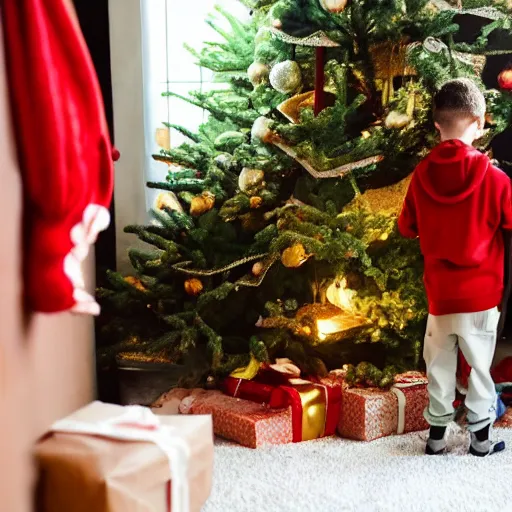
(458, 99)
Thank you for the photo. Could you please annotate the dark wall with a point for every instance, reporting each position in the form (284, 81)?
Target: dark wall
(94, 21)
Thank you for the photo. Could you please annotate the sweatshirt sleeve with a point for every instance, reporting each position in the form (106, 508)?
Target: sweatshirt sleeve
(506, 207)
(64, 150)
(407, 221)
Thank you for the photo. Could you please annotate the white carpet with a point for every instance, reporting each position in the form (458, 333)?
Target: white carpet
(335, 475)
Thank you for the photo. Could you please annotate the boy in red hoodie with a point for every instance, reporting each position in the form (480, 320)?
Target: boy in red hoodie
(458, 204)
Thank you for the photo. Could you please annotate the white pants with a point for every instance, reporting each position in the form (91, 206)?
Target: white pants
(475, 335)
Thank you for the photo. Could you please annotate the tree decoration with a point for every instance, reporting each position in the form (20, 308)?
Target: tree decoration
(258, 73)
(333, 6)
(294, 256)
(193, 287)
(169, 201)
(202, 204)
(505, 79)
(257, 268)
(163, 138)
(292, 107)
(397, 120)
(136, 283)
(250, 180)
(286, 77)
(256, 202)
(261, 130)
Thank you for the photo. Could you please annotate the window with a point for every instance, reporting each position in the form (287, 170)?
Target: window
(149, 58)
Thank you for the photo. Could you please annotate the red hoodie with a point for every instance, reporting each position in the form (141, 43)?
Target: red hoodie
(458, 203)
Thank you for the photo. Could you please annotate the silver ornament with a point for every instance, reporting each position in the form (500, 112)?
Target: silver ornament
(261, 129)
(286, 77)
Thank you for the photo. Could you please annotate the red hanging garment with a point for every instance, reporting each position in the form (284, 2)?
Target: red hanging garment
(64, 149)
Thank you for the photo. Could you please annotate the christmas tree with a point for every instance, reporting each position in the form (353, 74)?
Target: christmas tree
(274, 234)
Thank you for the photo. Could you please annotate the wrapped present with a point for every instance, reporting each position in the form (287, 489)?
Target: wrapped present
(109, 458)
(315, 403)
(247, 423)
(506, 419)
(370, 413)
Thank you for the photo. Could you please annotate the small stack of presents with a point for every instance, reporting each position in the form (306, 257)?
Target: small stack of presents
(108, 458)
(276, 405)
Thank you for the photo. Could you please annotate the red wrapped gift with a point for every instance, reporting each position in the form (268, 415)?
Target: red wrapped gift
(247, 423)
(506, 420)
(315, 404)
(369, 414)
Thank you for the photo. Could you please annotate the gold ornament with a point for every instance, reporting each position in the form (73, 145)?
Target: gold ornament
(256, 202)
(333, 6)
(397, 120)
(258, 73)
(286, 77)
(202, 204)
(250, 179)
(247, 372)
(168, 200)
(135, 282)
(292, 107)
(294, 256)
(277, 24)
(258, 268)
(193, 287)
(163, 138)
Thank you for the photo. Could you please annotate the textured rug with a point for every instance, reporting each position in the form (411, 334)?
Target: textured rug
(388, 475)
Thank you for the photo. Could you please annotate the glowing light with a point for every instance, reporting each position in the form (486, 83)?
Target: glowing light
(340, 296)
(330, 326)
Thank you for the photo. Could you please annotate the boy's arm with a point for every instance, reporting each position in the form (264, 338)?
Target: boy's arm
(407, 222)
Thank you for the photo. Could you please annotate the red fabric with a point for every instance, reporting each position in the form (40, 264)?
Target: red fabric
(503, 371)
(63, 143)
(459, 204)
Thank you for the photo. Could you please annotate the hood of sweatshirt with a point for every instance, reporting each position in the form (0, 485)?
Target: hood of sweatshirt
(452, 171)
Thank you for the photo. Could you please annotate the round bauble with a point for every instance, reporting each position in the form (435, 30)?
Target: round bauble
(193, 287)
(258, 268)
(135, 282)
(250, 179)
(163, 138)
(505, 79)
(294, 256)
(168, 200)
(261, 129)
(286, 77)
(333, 6)
(397, 120)
(258, 73)
(202, 204)
(256, 202)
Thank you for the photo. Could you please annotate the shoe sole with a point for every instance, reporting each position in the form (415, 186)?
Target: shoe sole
(429, 451)
(495, 448)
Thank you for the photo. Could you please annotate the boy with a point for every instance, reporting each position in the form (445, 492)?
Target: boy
(458, 204)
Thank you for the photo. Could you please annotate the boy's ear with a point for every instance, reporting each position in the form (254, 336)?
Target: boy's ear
(438, 128)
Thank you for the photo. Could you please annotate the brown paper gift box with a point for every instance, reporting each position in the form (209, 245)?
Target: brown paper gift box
(88, 473)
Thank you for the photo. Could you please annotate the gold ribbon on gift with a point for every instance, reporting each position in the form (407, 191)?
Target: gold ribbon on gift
(313, 404)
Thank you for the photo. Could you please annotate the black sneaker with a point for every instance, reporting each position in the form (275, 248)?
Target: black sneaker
(485, 448)
(435, 446)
